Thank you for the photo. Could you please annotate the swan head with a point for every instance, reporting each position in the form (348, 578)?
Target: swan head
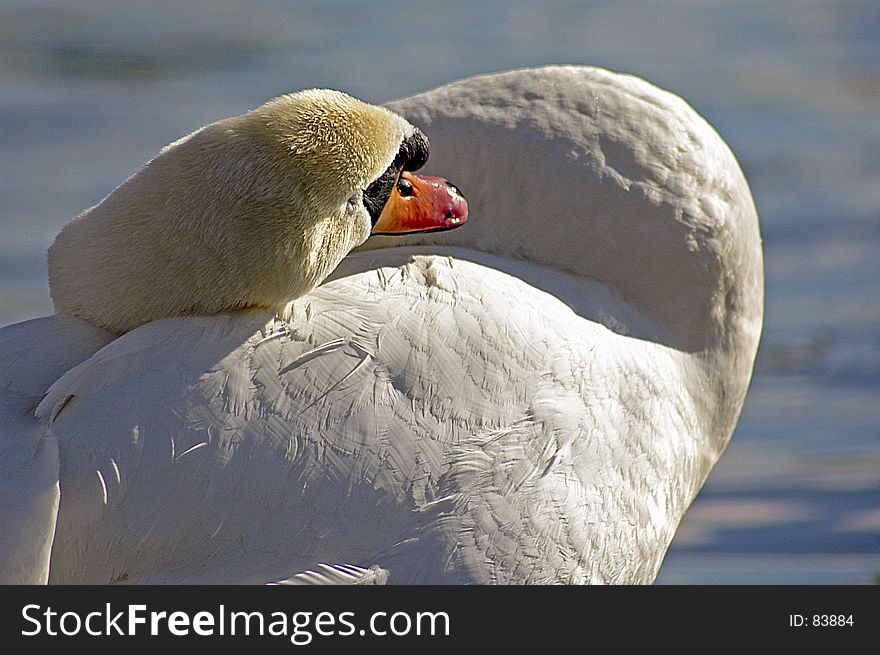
(253, 210)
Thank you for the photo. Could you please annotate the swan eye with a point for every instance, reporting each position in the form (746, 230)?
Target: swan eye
(404, 188)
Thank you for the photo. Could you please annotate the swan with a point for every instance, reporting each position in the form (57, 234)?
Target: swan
(534, 398)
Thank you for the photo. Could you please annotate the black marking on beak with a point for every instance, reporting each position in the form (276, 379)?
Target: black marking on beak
(412, 155)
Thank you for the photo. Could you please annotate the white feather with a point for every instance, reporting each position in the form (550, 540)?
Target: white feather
(534, 398)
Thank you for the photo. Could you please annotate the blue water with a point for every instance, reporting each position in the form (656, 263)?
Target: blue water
(91, 89)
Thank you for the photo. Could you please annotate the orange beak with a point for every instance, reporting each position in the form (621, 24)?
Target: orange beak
(420, 203)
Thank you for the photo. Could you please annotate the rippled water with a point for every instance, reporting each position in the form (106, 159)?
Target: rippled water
(89, 90)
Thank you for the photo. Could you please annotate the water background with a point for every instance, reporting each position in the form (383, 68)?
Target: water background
(91, 89)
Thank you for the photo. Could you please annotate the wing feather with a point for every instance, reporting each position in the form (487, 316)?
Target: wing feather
(441, 419)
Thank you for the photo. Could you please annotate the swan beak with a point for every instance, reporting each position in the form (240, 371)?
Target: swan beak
(421, 203)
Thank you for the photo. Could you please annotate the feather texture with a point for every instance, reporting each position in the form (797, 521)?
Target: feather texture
(536, 398)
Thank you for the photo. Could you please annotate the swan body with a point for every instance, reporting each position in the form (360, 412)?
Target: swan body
(536, 398)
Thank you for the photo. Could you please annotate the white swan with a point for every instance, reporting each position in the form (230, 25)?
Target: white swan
(535, 398)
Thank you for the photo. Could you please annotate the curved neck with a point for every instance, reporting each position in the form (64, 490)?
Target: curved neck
(612, 179)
